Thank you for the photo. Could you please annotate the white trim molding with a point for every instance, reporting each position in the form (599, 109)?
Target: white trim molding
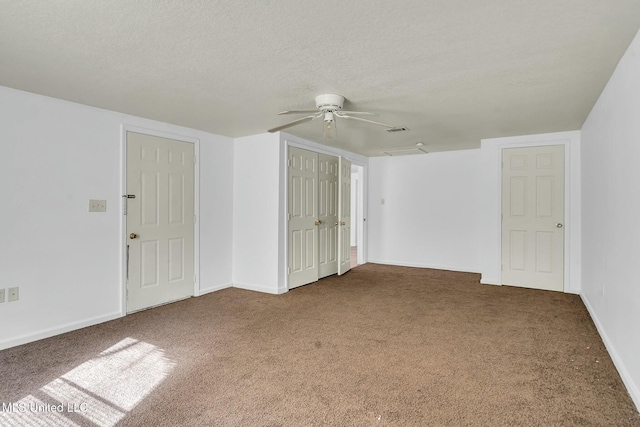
(208, 290)
(627, 379)
(46, 333)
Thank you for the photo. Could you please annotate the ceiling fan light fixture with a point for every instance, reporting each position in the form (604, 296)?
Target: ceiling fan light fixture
(329, 106)
(329, 102)
(329, 129)
(328, 117)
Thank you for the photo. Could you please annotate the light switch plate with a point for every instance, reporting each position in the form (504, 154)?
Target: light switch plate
(1, 295)
(97, 205)
(14, 294)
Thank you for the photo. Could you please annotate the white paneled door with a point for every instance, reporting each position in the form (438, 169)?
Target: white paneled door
(319, 221)
(160, 220)
(344, 208)
(327, 215)
(303, 217)
(533, 217)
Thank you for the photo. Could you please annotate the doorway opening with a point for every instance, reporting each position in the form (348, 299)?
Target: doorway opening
(357, 215)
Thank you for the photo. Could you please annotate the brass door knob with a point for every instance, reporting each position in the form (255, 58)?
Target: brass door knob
(133, 236)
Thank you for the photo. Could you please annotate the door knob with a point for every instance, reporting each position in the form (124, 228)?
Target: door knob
(559, 225)
(133, 236)
(318, 222)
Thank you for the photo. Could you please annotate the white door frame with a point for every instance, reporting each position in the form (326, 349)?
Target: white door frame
(344, 230)
(492, 168)
(290, 140)
(123, 221)
(360, 218)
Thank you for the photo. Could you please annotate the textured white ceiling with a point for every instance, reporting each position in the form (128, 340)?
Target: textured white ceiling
(452, 71)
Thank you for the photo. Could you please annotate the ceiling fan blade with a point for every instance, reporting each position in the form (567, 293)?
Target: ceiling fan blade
(329, 131)
(298, 112)
(341, 112)
(293, 123)
(366, 121)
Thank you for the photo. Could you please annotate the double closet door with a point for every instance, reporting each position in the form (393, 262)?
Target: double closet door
(319, 217)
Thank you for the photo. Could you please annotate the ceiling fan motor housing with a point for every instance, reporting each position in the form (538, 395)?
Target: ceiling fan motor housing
(329, 102)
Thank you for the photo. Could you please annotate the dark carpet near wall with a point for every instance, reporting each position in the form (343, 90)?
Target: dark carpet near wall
(379, 346)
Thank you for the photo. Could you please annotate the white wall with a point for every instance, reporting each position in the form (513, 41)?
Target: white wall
(257, 213)
(57, 155)
(430, 212)
(491, 195)
(216, 212)
(611, 213)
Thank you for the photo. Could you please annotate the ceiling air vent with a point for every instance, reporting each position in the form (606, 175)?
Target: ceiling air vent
(392, 130)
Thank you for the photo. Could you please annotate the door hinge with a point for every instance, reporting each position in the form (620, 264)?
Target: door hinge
(289, 162)
(288, 270)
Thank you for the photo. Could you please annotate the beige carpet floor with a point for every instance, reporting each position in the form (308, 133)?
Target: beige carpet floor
(380, 346)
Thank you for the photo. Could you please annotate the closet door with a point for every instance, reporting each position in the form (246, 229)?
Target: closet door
(327, 215)
(319, 221)
(303, 217)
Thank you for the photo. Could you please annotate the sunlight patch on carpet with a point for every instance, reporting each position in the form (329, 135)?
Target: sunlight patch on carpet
(100, 391)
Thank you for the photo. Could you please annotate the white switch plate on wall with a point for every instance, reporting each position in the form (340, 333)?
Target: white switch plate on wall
(97, 205)
(14, 294)
(1, 295)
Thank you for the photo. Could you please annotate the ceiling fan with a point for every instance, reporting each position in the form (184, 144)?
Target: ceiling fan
(329, 107)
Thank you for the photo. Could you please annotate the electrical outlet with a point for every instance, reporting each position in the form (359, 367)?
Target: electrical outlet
(1, 295)
(97, 205)
(14, 294)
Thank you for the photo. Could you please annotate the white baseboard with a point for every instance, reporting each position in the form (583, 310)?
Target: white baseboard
(632, 387)
(46, 333)
(204, 291)
(420, 265)
(486, 279)
(257, 288)
(497, 283)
